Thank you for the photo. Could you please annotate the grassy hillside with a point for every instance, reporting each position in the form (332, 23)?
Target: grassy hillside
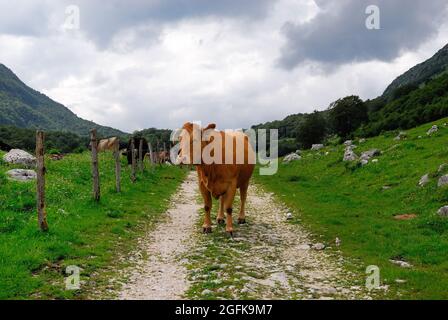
(21, 106)
(81, 233)
(358, 204)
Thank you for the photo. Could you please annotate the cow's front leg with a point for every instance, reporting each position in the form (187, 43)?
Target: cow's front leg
(220, 218)
(229, 196)
(207, 226)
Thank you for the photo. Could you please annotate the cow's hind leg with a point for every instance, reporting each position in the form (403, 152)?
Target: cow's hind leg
(220, 218)
(207, 226)
(243, 196)
(229, 196)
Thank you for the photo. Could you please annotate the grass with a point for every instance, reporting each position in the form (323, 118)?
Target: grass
(358, 204)
(82, 232)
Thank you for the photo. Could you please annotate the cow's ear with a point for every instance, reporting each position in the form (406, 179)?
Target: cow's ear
(210, 126)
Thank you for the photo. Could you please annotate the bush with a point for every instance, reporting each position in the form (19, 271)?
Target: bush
(312, 130)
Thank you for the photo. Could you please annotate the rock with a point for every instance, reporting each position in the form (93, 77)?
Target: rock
(304, 247)
(443, 212)
(350, 155)
(337, 241)
(370, 154)
(400, 136)
(291, 157)
(206, 292)
(17, 156)
(299, 152)
(318, 246)
(316, 147)
(362, 140)
(21, 175)
(401, 263)
(442, 167)
(424, 180)
(351, 147)
(443, 181)
(364, 162)
(400, 281)
(433, 129)
(348, 143)
(289, 216)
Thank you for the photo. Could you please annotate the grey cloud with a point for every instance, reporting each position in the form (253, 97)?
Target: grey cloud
(101, 20)
(337, 34)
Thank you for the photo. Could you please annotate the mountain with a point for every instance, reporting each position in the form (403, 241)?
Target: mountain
(418, 75)
(23, 107)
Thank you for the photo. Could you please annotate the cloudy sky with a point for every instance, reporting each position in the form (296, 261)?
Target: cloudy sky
(156, 63)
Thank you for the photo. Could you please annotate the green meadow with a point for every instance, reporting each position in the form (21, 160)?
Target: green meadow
(357, 204)
(81, 232)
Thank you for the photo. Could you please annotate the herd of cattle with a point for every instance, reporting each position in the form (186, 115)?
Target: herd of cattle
(113, 144)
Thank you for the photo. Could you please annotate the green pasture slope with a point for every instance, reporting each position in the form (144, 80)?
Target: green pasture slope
(358, 204)
(82, 233)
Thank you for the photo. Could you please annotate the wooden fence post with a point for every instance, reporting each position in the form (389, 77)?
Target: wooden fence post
(41, 212)
(140, 155)
(133, 160)
(95, 171)
(117, 168)
(151, 154)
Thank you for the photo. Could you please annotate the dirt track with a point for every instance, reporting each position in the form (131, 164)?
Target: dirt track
(268, 258)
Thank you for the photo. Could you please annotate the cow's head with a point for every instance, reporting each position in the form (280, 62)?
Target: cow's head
(191, 142)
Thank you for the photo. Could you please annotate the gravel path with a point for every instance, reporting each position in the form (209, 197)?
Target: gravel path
(162, 275)
(269, 258)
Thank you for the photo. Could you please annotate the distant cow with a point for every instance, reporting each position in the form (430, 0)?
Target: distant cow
(163, 157)
(110, 144)
(5, 147)
(219, 180)
(136, 146)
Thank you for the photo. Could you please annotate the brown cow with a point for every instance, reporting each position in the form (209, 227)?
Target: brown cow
(163, 157)
(112, 144)
(220, 180)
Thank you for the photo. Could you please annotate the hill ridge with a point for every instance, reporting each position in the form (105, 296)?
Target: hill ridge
(24, 107)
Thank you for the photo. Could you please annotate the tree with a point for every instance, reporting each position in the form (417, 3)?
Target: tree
(346, 115)
(312, 130)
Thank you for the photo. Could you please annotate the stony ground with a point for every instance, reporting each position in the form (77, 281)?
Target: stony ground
(268, 258)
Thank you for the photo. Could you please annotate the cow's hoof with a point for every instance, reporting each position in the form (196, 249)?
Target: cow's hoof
(220, 221)
(241, 221)
(207, 229)
(230, 233)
